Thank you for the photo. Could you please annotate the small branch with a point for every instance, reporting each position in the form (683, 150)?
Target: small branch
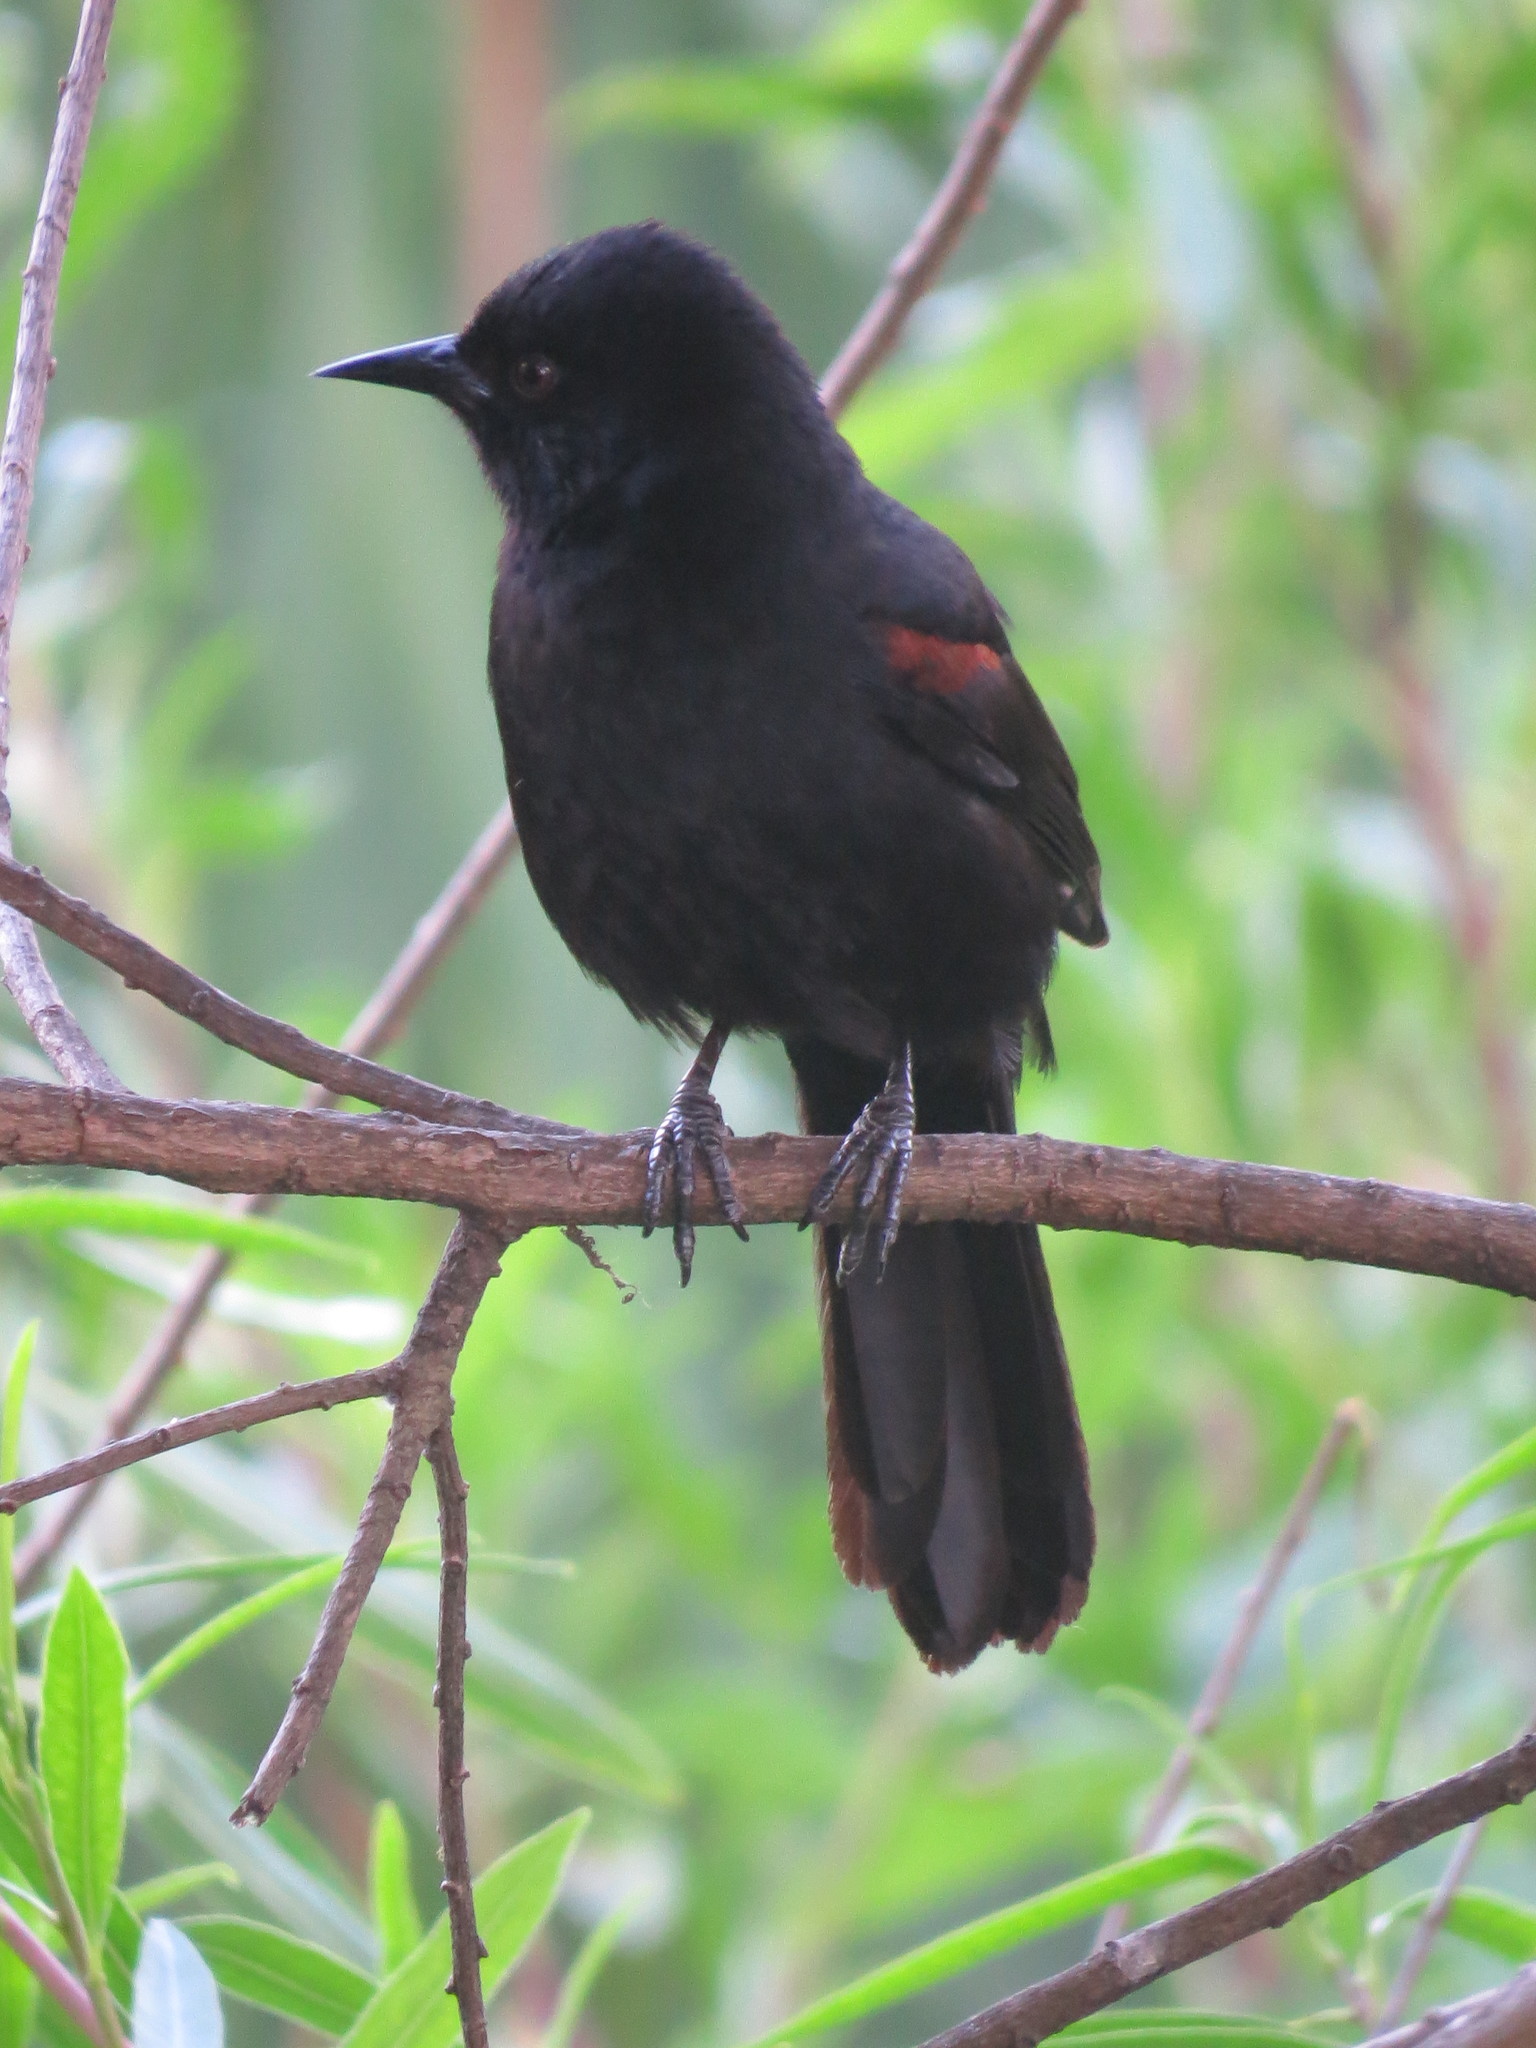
(65, 1989)
(1270, 1900)
(452, 1650)
(1348, 1421)
(369, 1382)
(143, 966)
(377, 1024)
(425, 1369)
(1505, 2018)
(1435, 1915)
(47, 1015)
(591, 1180)
(961, 196)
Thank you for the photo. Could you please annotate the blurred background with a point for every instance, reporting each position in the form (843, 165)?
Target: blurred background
(1230, 394)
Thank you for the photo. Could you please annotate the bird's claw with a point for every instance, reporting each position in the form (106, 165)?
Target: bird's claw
(692, 1129)
(880, 1142)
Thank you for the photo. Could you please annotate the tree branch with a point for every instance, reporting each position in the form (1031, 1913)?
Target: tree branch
(365, 1384)
(1269, 1900)
(1348, 1421)
(425, 1370)
(381, 1020)
(589, 1180)
(961, 196)
(452, 1650)
(1505, 2018)
(143, 966)
(47, 1015)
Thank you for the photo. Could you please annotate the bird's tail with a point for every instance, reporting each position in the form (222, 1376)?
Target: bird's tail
(958, 1477)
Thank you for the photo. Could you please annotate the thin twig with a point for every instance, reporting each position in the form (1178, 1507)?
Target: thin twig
(1503, 2018)
(452, 1650)
(56, 1979)
(368, 1383)
(268, 1039)
(47, 1015)
(380, 1021)
(1349, 1420)
(1433, 1919)
(592, 1180)
(1269, 1900)
(426, 1365)
(961, 196)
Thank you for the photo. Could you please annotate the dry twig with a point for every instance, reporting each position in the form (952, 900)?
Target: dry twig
(143, 966)
(1348, 1421)
(425, 1367)
(380, 1021)
(961, 196)
(1269, 1900)
(227, 1147)
(367, 1383)
(452, 1649)
(47, 1015)
(1504, 2018)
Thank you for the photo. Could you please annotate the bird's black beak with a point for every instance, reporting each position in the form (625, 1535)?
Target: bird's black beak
(434, 366)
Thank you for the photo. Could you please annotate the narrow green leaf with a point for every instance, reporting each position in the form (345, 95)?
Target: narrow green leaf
(396, 1916)
(156, 1892)
(1200, 2030)
(18, 2000)
(1495, 1922)
(120, 1947)
(41, 1211)
(83, 1744)
(175, 1998)
(1504, 1465)
(582, 1974)
(268, 1968)
(979, 1939)
(229, 1622)
(511, 1899)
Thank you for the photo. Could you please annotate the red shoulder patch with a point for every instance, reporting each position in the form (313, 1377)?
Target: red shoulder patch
(942, 667)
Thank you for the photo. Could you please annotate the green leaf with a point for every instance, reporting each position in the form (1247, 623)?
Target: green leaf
(83, 1744)
(1504, 1465)
(268, 1968)
(1499, 1924)
(511, 1899)
(38, 1211)
(545, 1705)
(229, 1622)
(396, 1917)
(582, 1975)
(18, 2000)
(175, 1884)
(1050, 332)
(1200, 2029)
(120, 1947)
(973, 1943)
(175, 1999)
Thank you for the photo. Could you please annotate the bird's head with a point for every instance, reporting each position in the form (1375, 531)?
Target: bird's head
(615, 370)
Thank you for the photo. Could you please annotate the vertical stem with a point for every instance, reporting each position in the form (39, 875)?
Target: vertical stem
(452, 1651)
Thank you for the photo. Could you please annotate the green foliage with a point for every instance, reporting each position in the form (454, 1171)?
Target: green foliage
(82, 1744)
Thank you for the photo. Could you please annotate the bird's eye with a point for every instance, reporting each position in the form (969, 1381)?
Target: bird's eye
(534, 377)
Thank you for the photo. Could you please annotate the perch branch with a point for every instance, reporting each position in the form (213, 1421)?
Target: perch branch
(143, 966)
(47, 1015)
(228, 1147)
(1269, 1900)
(452, 1649)
(365, 1384)
(425, 1370)
(960, 197)
(381, 1020)
(1348, 1421)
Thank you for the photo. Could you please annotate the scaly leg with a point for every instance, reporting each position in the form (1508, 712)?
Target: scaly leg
(692, 1128)
(880, 1143)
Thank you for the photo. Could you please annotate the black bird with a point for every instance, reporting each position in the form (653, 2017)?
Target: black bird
(776, 770)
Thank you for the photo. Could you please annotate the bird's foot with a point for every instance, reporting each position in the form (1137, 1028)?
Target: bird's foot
(880, 1144)
(692, 1129)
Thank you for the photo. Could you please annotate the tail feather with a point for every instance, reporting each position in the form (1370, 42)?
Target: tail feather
(958, 1477)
